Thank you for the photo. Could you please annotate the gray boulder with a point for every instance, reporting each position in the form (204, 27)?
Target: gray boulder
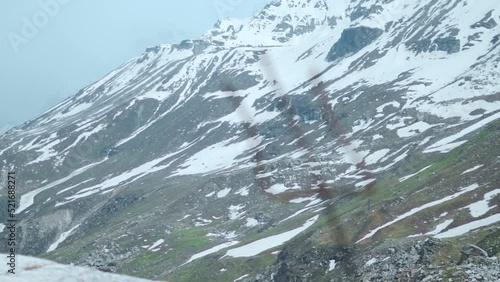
(473, 250)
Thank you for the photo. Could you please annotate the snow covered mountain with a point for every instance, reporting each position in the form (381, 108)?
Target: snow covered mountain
(335, 122)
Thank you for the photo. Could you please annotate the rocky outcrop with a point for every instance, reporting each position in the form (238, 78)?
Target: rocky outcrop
(396, 261)
(352, 40)
(106, 259)
(448, 44)
(487, 22)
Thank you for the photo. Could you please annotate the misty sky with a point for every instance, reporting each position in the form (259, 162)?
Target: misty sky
(52, 48)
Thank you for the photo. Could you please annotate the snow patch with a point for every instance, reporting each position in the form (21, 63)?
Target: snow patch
(217, 157)
(28, 199)
(439, 228)
(472, 169)
(371, 262)
(243, 191)
(376, 156)
(482, 207)
(241, 278)
(331, 265)
(223, 193)
(365, 182)
(155, 245)
(460, 230)
(251, 222)
(234, 211)
(404, 178)
(448, 140)
(211, 251)
(270, 242)
(61, 239)
(277, 189)
(413, 129)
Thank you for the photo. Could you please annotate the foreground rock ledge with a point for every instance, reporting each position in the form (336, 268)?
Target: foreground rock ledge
(29, 269)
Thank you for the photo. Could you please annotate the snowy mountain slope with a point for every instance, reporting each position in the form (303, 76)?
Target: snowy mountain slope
(232, 137)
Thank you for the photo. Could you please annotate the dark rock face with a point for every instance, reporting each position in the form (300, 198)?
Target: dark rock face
(495, 39)
(149, 51)
(332, 21)
(291, 30)
(487, 22)
(199, 46)
(363, 12)
(449, 44)
(419, 46)
(305, 108)
(306, 28)
(352, 40)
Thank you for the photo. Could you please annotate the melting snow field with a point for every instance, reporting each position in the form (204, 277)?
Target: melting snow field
(243, 191)
(61, 239)
(211, 251)
(240, 278)
(460, 230)
(311, 205)
(223, 193)
(480, 208)
(472, 169)
(264, 244)
(235, 211)
(216, 157)
(251, 222)
(413, 129)
(28, 198)
(154, 247)
(411, 175)
(364, 183)
(448, 143)
(423, 207)
(276, 189)
(439, 228)
(375, 157)
(445, 148)
(121, 179)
